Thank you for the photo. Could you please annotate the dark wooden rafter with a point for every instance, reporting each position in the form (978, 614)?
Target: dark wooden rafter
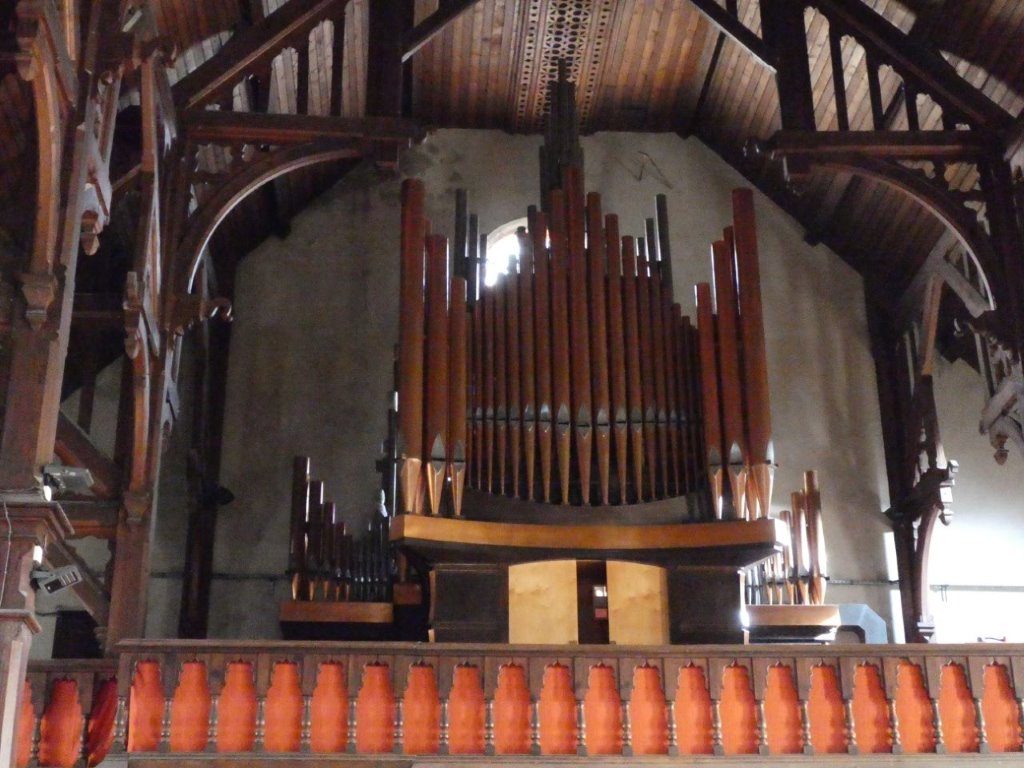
(447, 12)
(727, 22)
(74, 448)
(219, 127)
(89, 591)
(250, 50)
(915, 61)
(389, 20)
(951, 146)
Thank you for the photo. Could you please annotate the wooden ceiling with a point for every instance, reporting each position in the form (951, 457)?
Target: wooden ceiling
(642, 65)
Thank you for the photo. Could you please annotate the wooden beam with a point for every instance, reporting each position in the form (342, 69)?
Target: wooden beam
(74, 448)
(252, 48)
(92, 517)
(912, 58)
(277, 129)
(731, 26)
(388, 23)
(447, 12)
(89, 590)
(954, 146)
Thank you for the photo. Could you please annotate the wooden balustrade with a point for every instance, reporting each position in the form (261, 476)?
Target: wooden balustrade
(405, 699)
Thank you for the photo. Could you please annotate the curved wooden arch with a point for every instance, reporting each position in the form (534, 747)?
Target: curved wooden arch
(953, 216)
(202, 224)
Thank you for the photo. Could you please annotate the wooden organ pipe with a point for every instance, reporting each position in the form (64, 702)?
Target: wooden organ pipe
(515, 424)
(818, 565)
(560, 342)
(488, 387)
(500, 386)
(582, 402)
(411, 341)
(458, 393)
(659, 360)
(478, 462)
(537, 222)
(324, 560)
(297, 527)
(617, 354)
(634, 373)
(707, 328)
(597, 269)
(436, 437)
(798, 574)
(729, 361)
(527, 366)
(314, 535)
(761, 452)
(650, 403)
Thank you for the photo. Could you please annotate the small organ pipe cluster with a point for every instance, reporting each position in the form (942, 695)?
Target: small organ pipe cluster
(799, 574)
(573, 380)
(327, 562)
(739, 454)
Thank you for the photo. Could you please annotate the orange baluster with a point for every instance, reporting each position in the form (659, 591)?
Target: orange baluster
(602, 709)
(739, 718)
(329, 710)
(466, 712)
(512, 712)
(237, 709)
(557, 712)
(375, 711)
(825, 709)
(870, 711)
(647, 713)
(145, 708)
(782, 713)
(190, 709)
(283, 710)
(61, 729)
(421, 710)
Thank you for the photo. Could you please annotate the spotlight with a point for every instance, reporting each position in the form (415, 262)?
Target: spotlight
(62, 479)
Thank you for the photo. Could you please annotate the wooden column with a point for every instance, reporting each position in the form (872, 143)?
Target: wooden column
(24, 526)
(203, 472)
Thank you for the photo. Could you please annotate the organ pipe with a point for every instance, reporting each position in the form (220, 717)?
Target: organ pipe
(576, 379)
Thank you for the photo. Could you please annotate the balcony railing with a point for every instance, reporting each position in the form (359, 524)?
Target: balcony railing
(207, 698)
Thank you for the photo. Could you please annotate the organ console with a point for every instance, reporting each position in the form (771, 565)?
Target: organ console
(571, 412)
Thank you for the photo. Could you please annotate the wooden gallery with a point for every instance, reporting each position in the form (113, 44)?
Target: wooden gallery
(528, 382)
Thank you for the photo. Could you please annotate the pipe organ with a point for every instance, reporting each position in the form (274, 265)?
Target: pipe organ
(573, 458)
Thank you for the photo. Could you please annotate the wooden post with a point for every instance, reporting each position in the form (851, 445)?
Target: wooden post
(27, 525)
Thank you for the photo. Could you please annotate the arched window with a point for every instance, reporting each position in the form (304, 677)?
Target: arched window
(502, 250)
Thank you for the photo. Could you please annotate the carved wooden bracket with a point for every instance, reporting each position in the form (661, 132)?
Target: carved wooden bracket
(134, 317)
(187, 310)
(137, 505)
(39, 290)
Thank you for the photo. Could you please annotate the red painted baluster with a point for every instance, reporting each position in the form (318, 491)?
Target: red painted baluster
(693, 713)
(1001, 711)
(100, 730)
(956, 710)
(466, 712)
(647, 713)
(739, 715)
(913, 710)
(329, 710)
(421, 712)
(870, 711)
(375, 711)
(237, 709)
(145, 708)
(783, 723)
(61, 727)
(603, 712)
(827, 715)
(557, 712)
(283, 710)
(512, 712)
(190, 709)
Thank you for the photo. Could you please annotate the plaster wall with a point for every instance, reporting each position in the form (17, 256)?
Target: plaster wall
(311, 360)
